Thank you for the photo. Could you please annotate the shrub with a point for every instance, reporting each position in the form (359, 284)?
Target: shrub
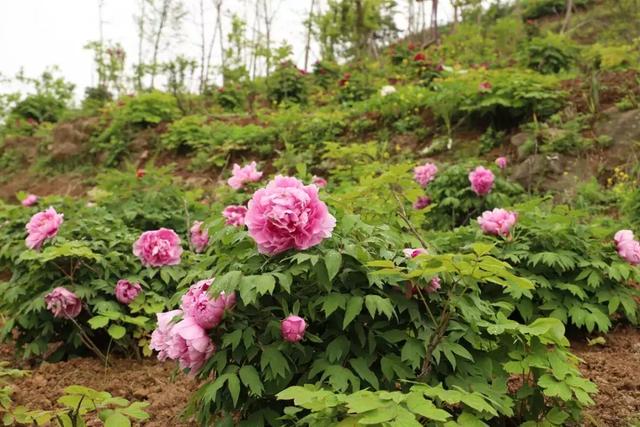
(92, 251)
(287, 84)
(579, 277)
(40, 108)
(550, 54)
(533, 9)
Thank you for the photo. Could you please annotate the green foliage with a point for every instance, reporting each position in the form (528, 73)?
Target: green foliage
(287, 84)
(89, 255)
(549, 54)
(81, 404)
(533, 9)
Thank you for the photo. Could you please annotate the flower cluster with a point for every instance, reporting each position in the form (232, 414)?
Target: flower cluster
(425, 174)
(628, 247)
(497, 222)
(30, 200)
(481, 180)
(186, 340)
(287, 214)
(243, 175)
(42, 226)
(501, 162)
(387, 90)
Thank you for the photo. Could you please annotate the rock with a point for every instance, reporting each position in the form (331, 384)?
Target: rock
(622, 126)
(519, 139)
(532, 172)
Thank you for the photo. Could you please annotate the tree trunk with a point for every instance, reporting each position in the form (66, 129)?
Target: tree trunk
(567, 16)
(307, 46)
(434, 20)
(140, 43)
(220, 36)
(156, 44)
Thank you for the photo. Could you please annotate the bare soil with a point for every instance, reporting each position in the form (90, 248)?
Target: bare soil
(614, 368)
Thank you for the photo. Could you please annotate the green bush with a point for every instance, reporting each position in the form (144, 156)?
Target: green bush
(91, 252)
(40, 108)
(287, 84)
(549, 54)
(533, 9)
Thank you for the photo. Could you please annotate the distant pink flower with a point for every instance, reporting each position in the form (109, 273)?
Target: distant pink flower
(434, 285)
(162, 335)
(414, 252)
(497, 222)
(42, 226)
(421, 202)
(207, 311)
(481, 180)
(30, 200)
(629, 250)
(485, 87)
(63, 303)
(292, 328)
(242, 175)
(622, 236)
(287, 214)
(126, 291)
(157, 248)
(424, 174)
(319, 181)
(235, 215)
(199, 237)
(501, 162)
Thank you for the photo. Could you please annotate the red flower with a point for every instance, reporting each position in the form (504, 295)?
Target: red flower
(411, 46)
(140, 173)
(485, 87)
(420, 57)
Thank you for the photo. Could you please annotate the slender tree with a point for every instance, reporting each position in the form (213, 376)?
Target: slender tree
(309, 23)
(434, 21)
(567, 16)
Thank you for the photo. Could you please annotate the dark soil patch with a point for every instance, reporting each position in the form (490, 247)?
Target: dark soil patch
(614, 368)
(614, 86)
(148, 380)
(66, 184)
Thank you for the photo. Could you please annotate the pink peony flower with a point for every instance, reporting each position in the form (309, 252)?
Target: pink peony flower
(63, 303)
(501, 162)
(629, 250)
(157, 248)
(199, 237)
(161, 336)
(189, 344)
(434, 285)
(319, 181)
(184, 341)
(242, 175)
(287, 214)
(414, 252)
(424, 174)
(622, 236)
(292, 328)
(207, 311)
(481, 180)
(127, 291)
(497, 222)
(235, 215)
(30, 200)
(421, 202)
(42, 226)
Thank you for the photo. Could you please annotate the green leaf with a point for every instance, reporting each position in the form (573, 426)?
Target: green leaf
(362, 369)
(97, 322)
(333, 261)
(116, 331)
(233, 383)
(377, 304)
(273, 358)
(251, 379)
(354, 307)
(417, 404)
(116, 419)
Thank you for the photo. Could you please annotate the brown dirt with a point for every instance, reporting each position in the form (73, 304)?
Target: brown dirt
(614, 86)
(148, 380)
(614, 368)
(69, 184)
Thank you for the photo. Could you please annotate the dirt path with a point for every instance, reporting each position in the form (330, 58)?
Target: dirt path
(615, 368)
(158, 383)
